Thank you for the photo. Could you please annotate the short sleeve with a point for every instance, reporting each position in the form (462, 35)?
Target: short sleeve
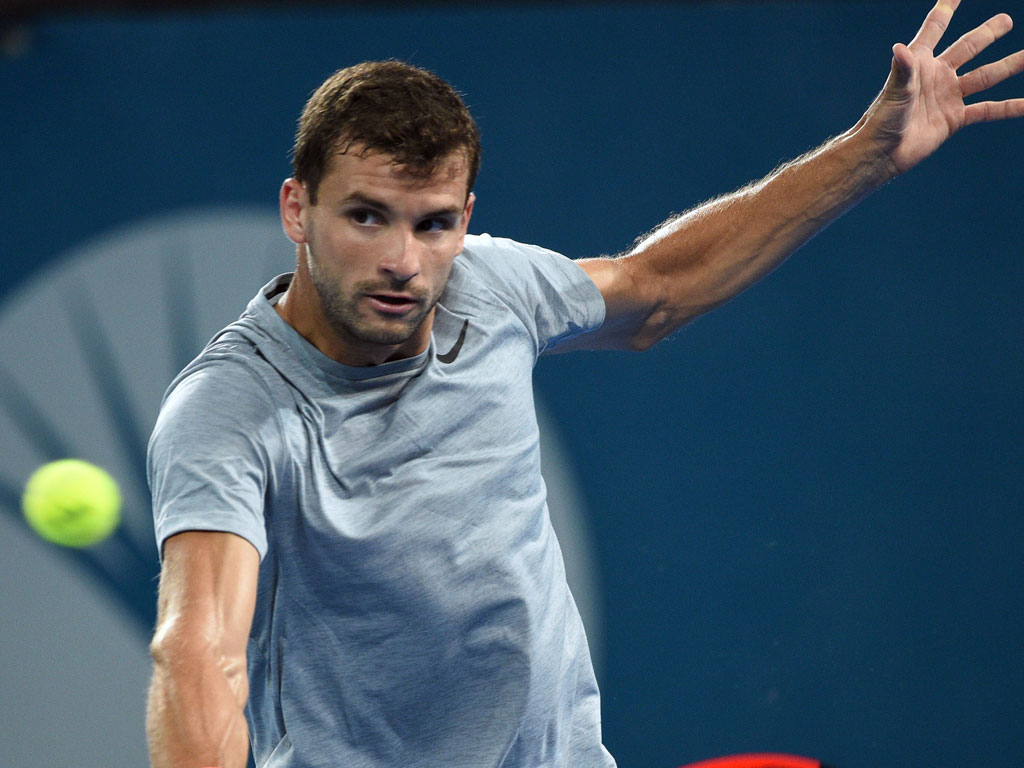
(207, 461)
(553, 296)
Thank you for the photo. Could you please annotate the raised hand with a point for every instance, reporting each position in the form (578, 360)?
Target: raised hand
(922, 103)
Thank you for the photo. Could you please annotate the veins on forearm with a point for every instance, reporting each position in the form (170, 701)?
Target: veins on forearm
(710, 253)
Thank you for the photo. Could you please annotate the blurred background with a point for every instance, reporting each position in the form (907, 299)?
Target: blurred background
(795, 526)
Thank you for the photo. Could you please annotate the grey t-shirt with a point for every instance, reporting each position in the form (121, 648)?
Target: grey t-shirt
(412, 607)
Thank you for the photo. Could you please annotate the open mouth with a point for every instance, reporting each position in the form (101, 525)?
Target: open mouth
(392, 303)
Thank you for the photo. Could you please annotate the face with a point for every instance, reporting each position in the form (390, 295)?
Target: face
(377, 248)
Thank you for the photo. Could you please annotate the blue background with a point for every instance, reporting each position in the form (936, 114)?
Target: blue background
(807, 505)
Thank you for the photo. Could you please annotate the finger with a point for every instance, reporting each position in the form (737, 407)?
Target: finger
(990, 74)
(986, 111)
(977, 40)
(902, 65)
(935, 23)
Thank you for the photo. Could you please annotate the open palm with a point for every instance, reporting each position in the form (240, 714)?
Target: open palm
(922, 103)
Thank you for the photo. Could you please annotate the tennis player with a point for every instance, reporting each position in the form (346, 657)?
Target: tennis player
(358, 568)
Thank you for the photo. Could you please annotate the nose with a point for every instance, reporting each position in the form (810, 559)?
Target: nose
(403, 259)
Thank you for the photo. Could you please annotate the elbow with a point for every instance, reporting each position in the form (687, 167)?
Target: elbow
(641, 342)
(161, 646)
(660, 323)
(656, 308)
(182, 651)
(177, 640)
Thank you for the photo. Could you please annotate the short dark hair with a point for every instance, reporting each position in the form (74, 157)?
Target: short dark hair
(389, 107)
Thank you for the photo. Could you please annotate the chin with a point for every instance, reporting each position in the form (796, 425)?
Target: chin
(376, 334)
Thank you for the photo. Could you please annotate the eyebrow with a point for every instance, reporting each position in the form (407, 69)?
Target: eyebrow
(369, 202)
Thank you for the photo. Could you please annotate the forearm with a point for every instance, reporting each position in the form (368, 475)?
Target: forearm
(702, 258)
(195, 716)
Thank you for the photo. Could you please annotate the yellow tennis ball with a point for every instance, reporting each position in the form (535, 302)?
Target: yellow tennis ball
(72, 503)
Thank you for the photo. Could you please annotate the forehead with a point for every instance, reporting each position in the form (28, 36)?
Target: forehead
(358, 168)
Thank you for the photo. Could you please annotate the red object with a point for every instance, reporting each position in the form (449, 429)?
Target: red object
(764, 760)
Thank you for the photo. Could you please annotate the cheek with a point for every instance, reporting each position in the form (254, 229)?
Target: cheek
(339, 252)
(440, 266)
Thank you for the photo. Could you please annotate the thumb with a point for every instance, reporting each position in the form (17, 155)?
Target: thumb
(902, 66)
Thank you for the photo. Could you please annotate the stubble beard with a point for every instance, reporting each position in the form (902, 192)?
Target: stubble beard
(342, 311)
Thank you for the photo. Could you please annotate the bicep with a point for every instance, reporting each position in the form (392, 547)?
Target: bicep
(628, 308)
(207, 591)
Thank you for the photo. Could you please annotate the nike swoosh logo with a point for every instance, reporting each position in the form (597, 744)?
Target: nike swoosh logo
(451, 354)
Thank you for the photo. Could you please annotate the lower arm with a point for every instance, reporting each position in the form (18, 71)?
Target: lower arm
(711, 253)
(195, 716)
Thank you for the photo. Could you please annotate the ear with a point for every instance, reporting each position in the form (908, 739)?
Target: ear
(466, 214)
(294, 202)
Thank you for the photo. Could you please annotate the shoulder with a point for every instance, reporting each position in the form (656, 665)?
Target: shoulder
(550, 293)
(218, 399)
(512, 268)
(496, 253)
(227, 370)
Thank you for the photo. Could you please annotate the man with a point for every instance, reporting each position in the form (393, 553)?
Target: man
(358, 566)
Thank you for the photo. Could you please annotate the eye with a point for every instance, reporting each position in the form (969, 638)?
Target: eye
(436, 224)
(364, 217)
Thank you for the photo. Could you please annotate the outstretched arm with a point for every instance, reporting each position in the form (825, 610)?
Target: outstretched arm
(698, 260)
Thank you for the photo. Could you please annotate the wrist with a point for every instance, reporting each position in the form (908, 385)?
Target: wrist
(868, 156)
